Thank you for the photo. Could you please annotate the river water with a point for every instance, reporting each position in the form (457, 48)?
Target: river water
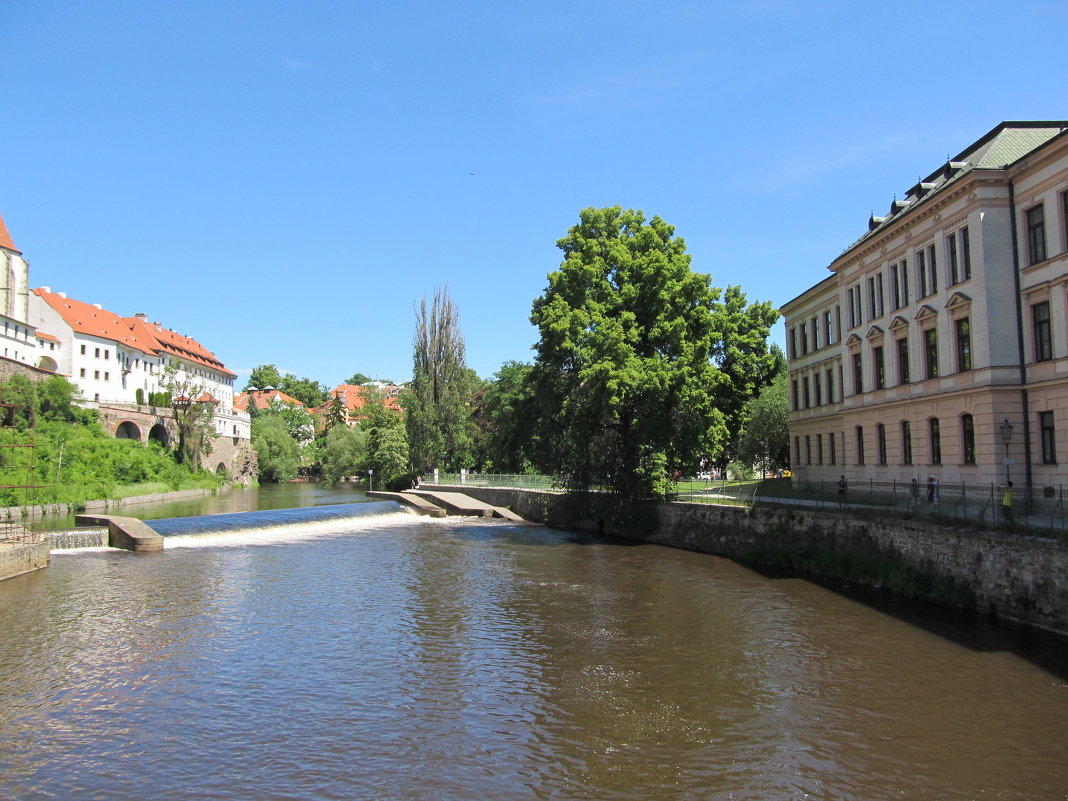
(373, 654)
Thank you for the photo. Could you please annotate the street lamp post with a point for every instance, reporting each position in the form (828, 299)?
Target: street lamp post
(1006, 437)
(370, 479)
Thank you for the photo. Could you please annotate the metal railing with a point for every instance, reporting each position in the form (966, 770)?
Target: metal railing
(1040, 508)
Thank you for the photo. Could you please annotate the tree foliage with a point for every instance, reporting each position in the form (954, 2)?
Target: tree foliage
(343, 452)
(505, 416)
(624, 383)
(765, 439)
(193, 418)
(277, 453)
(436, 411)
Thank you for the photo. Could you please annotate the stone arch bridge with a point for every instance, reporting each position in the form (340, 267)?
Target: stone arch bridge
(155, 424)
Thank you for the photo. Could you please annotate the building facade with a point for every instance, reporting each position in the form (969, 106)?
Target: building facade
(938, 346)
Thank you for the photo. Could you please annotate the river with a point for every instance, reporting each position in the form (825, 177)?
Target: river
(380, 655)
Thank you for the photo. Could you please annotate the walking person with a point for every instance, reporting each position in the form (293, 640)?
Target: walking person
(930, 491)
(1006, 504)
(914, 496)
(842, 486)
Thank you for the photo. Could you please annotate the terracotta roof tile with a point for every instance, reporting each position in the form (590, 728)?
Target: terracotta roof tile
(5, 238)
(133, 332)
(263, 399)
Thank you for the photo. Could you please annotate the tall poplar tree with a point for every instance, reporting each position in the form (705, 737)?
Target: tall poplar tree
(435, 404)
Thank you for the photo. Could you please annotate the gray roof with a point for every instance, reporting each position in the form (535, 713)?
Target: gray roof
(1004, 145)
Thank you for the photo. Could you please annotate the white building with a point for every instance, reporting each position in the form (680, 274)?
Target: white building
(939, 343)
(113, 359)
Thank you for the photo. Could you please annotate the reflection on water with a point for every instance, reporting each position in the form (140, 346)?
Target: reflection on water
(230, 501)
(395, 657)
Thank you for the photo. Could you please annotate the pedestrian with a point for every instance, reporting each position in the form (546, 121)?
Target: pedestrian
(914, 496)
(842, 486)
(930, 490)
(1006, 504)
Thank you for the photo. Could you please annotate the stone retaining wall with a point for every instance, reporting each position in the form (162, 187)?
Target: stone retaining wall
(18, 559)
(1021, 578)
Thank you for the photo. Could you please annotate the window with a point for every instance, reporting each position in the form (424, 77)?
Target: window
(819, 449)
(793, 343)
(951, 257)
(96, 374)
(107, 376)
(808, 449)
(921, 273)
(858, 374)
(83, 350)
(804, 391)
(879, 373)
(830, 442)
(964, 345)
(903, 360)
(804, 338)
(827, 326)
(793, 384)
(860, 444)
(855, 316)
(1064, 218)
(817, 389)
(81, 373)
(930, 349)
(107, 354)
(815, 333)
(899, 284)
(96, 352)
(797, 450)
(965, 254)
(1043, 335)
(1036, 234)
(1049, 439)
(936, 441)
(906, 442)
(967, 438)
(880, 434)
(837, 323)
(932, 269)
(875, 296)
(830, 385)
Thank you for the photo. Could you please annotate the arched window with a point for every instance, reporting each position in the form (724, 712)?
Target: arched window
(967, 438)
(936, 440)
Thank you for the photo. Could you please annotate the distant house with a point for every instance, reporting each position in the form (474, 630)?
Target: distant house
(354, 399)
(265, 398)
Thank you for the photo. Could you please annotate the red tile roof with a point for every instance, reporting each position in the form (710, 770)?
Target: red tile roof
(354, 398)
(48, 337)
(133, 332)
(263, 398)
(5, 238)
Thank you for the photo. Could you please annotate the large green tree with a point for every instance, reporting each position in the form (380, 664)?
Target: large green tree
(624, 381)
(344, 451)
(277, 453)
(436, 403)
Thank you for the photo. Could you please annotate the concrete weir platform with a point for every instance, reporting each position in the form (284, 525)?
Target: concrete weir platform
(125, 532)
(439, 504)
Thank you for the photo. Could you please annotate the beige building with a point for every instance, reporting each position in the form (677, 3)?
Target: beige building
(939, 343)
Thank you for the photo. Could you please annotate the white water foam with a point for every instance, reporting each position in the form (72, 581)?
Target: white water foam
(293, 532)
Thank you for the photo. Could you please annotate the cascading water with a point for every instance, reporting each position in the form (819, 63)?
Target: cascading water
(272, 523)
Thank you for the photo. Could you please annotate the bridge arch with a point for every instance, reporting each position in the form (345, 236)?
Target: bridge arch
(160, 434)
(127, 430)
(47, 363)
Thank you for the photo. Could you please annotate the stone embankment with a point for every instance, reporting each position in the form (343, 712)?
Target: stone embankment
(1017, 577)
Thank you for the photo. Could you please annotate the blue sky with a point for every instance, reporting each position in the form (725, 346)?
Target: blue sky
(283, 181)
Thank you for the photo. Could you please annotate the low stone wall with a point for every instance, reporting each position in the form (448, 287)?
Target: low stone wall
(21, 513)
(22, 558)
(1017, 577)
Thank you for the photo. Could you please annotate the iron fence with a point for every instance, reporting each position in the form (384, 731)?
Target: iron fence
(1041, 508)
